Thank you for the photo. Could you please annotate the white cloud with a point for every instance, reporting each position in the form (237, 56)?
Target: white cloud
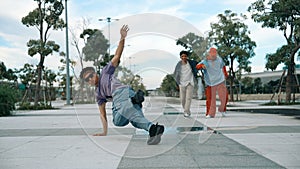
(16, 9)
(239, 3)
(152, 77)
(15, 58)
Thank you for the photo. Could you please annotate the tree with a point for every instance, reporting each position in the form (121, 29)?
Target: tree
(76, 42)
(168, 85)
(45, 17)
(247, 85)
(94, 50)
(127, 77)
(195, 44)
(27, 76)
(2, 70)
(231, 36)
(50, 78)
(96, 46)
(272, 86)
(257, 85)
(9, 96)
(8, 74)
(63, 75)
(283, 15)
(137, 83)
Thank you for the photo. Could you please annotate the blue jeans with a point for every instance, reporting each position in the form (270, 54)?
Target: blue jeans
(124, 111)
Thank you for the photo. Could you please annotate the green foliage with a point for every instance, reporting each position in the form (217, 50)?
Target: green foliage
(195, 44)
(253, 86)
(282, 55)
(62, 74)
(257, 85)
(231, 36)
(44, 18)
(49, 76)
(2, 70)
(8, 74)
(29, 106)
(127, 77)
(271, 86)
(27, 74)
(8, 97)
(247, 85)
(169, 86)
(95, 47)
(48, 12)
(283, 15)
(37, 46)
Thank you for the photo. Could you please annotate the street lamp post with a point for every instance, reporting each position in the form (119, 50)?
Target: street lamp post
(108, 19)
(130, 64)
(67, 58)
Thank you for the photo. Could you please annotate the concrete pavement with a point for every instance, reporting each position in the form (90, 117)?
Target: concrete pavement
(62, 139)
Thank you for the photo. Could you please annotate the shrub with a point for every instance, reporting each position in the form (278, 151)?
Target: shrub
(39, 106)
(8, 98)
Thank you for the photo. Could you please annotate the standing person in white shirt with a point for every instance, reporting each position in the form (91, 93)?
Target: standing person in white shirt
(185, 75)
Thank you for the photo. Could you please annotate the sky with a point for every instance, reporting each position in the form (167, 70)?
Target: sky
(150, 49)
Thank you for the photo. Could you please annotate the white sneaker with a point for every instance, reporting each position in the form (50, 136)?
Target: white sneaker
(223, 114)
(209, 116)
(186, 114)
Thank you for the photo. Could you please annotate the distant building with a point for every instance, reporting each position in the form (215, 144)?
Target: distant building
(267, 76)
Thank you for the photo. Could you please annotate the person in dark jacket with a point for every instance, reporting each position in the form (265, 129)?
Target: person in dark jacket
(185, 75)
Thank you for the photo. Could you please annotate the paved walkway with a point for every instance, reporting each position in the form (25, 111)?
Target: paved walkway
(61, 139)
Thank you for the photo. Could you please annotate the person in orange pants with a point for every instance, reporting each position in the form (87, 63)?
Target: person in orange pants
(214, 75)
(208, 94)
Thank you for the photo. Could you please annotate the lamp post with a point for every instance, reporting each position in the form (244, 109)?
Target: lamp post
(130, 64)
(108, 19)
(67, 58)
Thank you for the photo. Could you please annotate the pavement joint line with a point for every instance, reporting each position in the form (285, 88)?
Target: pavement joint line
(230, 144)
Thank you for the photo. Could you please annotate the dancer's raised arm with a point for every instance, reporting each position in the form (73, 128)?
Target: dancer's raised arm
(116, 59)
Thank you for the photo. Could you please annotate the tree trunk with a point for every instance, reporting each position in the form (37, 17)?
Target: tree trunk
(237, 93)
(231, 76)
(289, 78)
(38, 85)
(39, 67)
(38, 82)
(231, 89)
(288, 88)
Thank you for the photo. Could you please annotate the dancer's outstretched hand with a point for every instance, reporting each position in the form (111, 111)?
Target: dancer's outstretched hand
(124, 30)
